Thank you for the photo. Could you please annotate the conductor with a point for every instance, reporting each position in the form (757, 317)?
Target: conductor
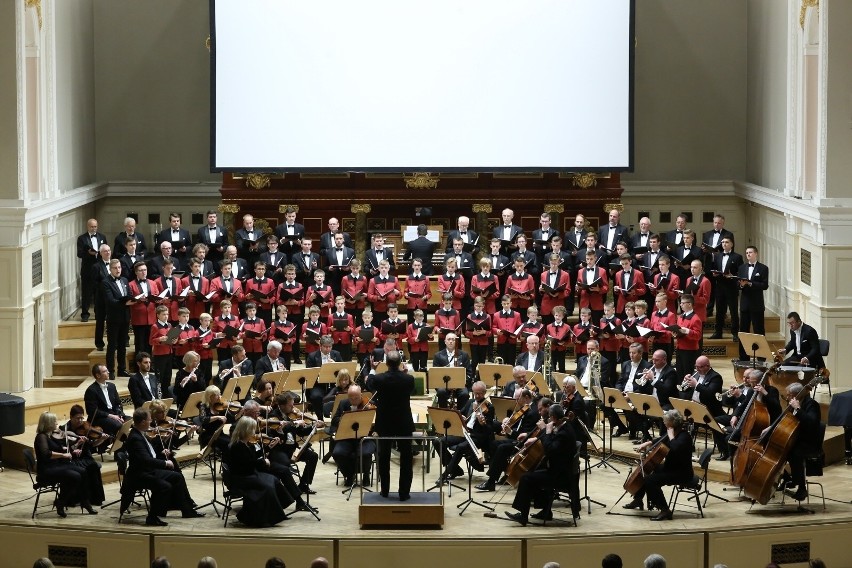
(393, 418)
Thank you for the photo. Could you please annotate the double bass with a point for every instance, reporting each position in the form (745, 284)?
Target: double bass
(754, 420)
(768, 453)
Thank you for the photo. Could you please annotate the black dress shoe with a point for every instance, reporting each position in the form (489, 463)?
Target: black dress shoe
(123, 373)
(192, 514)
(384, 494)
(665, 515)
(99, 347)
(619, 432)
(84, 319)
(405, 497)
(486, 486)
(543, 515)
(517, 517)
(326, 457)
(715, 335)
(89, 510)
(155, 522)
(305, 507)
(723, 457)
(306, 490)
(801, 494)
(635, 504)
(60, 510)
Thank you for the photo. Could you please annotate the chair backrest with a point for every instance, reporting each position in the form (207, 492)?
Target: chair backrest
(704, 460)
(30, 461)
(824, 346)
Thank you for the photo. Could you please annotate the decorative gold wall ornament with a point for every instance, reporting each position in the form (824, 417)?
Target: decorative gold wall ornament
(361, 208)
(228, 208)
(283, 208)
(554, 208)
(610, 206)
(258, 181)
(37, 5)
(804, 9)
(421, 180)
(482, 208)
(207, 43)
(584, 180)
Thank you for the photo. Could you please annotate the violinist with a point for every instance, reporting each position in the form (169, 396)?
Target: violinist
(55, 454)
(573, 402)
(676, 469)
(741, 397)
(479, 420)
(345, 451)
(175, 433)
(806, 409)
(341, 386)
(264, 396)
(276, 465)
(213, 414)
(102, 403)
(292, 425)
(518, 384)
(520, 424)
(560, 446)
(78, 425)
(188, 379)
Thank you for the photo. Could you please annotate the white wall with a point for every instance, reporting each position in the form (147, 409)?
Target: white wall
(838, 48)
(8, 103)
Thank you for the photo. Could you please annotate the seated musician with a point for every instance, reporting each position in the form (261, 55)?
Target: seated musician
(345, 451)
(341, 386)
(560, 446)
(264, 396)
(151, 468)
(279, 461)
(452, 356)
(583, 371)
(526, 417)
(239, 365)
(806, 409)
(77, 424)
(325, 354)
(160, 418)
(703, 386)
(102, 403)
(675, 469)
(632, 379)
(55, 454)
(513, 388)
(293, 424)
(573, 402)
(742, 397)
(212, 414)
(479, 421)
(188, 379)
(803, 346)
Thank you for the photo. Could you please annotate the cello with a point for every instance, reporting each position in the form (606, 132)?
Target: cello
(653, 458)
(755, 419)
(769, 452)
(529, 458)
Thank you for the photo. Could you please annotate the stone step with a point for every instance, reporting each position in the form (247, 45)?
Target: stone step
(71, 368)
(76, 329)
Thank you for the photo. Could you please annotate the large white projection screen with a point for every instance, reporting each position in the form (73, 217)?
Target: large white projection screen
(429, 85)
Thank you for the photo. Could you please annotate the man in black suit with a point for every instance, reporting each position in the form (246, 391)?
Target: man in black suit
(640, 240)
(244, 367)
(507, 232)
(674, 238)
(179, 238)
(560, 446)
(612, 233)
(271, 362)
(119, 247)
(479, 420)
(214, 236)
(393, 418)
(337, 258)
(327, 238)
(376, 254)
(290, 234)
(130, 257)
(633, 373)
(753, 280)
(467, 235)
(318, 358)
(725, 270)
(531, 264)
(583, 371)
(100, 273)
(803, 346)
(502, 450)
(421, 248)
(156, 263)
(663, 378)
(703, 386)
(741, 399)
(275, 260)
(87, 251)
(249, 242)
(115, 293)
(532, 359)
(306, 262)
(575, 238)
(711, 241)
(102, 403)
(152, 467)
(239, 267)
(541, 239)
(807, 411)
(144, 384)
(452, 356)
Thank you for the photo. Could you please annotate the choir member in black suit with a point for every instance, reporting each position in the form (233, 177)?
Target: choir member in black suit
(239, 267)
(115, 294)
(421, 248)
(467, 235)
(88, 245)
(560, 446)
(612, 233)
(275, 260)
(753, 281)
(157, 262)
(102, 403)
(119, 247)
(306, 262)
(130, 257)
(674, 238)
(290, 234)
(803, 346)
(100, 274)
(575, 238)
(180, 238)
(327, 238)
(214, 236)
(337, 258)
(711, 242)
(375, 254)
(725, 269)
(249, 243)
(507, 232)
(541, 239)
(640, 240)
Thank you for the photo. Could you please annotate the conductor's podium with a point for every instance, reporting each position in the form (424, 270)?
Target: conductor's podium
(422, 509)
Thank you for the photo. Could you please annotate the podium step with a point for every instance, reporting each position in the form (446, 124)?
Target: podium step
(422, 509)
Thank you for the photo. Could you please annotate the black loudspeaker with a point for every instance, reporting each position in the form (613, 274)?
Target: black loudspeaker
(11, 418)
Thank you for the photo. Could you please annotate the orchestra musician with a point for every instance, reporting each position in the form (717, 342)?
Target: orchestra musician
(453, 357)
(573, 402)
(344, 452)
(532, 359)
(272, 362)
(77, 424)
(143, 384)
(317, 359)
(675, 470)
(703, 385)
(151, 467)
(803, 347)
(291, 427)
(478, 417)
(342, 382)
(501, 451)
(560, 446)
(807, 411)
(241, 362)
(212, 418)
(742, 397)
(632, 373)
(188, 379)
(102, 403)
(583, 371)
(175, 434)
(518, 384)
(663, 378)
(55, 451)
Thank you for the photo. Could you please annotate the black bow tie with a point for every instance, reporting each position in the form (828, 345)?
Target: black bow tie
(751, 265)
(726, 254)
(339, 249)
(718, 232)
(661, 314)
(116, 279)
(462, 232)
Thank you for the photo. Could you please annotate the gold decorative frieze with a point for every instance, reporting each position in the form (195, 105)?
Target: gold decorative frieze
(258, 181)
(584, 180)
(420, 180)
(804, 10)
(554, 208)
(610, 206)
(228, 208)
(207, 43)
(361, 208)
(37, 5)
(482, 208)
(283, 208)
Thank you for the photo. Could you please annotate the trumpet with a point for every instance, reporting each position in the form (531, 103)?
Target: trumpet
(685, 384)
(642, 380)
(730, 391)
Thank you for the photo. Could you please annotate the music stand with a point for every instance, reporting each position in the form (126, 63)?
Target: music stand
(299, 380)
(543, 388)
(210, 452)
(698, 414)
(452, 377)
(237, 386)
(492, 373)
(355, 425)
(328, 372)
(120, 437)
(586, 469)
(646, 405)
(612, 399)
(451, 422)
(192, 406)
(503, 406)
(757, 345)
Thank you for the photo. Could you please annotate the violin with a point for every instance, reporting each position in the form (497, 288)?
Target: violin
(155, 432)
(94, 433)
(297, 414)
(176, 425)
(261, 438)
(270, 423)
(233, 406)
(510, 422)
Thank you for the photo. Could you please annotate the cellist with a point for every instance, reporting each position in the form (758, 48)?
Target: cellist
(676, 469)
(806, 409)
(767, 394)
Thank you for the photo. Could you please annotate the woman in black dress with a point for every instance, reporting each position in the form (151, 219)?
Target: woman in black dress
(264, 496)
(84, 458)
(54, 458)
(188, 379)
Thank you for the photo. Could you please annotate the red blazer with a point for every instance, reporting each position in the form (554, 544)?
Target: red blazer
(180, 349)
(478, 284)
(352, 287)
(449, 320)
(312, 342)
(174, 301)
(537, 329)
(368, 346)
(193, 303)
(670, 286)
(658, 322)
(341, 337)
(294, 304)
(579, 346)
(389, 289)
(322, 297)
(218, 287)
(611, 343)
(481, 339)
(689, 342)
(701, 293)
(411, 333)
(219, 327)
(267, 286)
(455, 286)
(501, 323)
(143, 312)
(549, 300)
(417, 292)
(637, 291)
(199, 346)
(254, 344)
(521, 286)
(560, 337)
(593, 300)
(158, 331)
(286, 327)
